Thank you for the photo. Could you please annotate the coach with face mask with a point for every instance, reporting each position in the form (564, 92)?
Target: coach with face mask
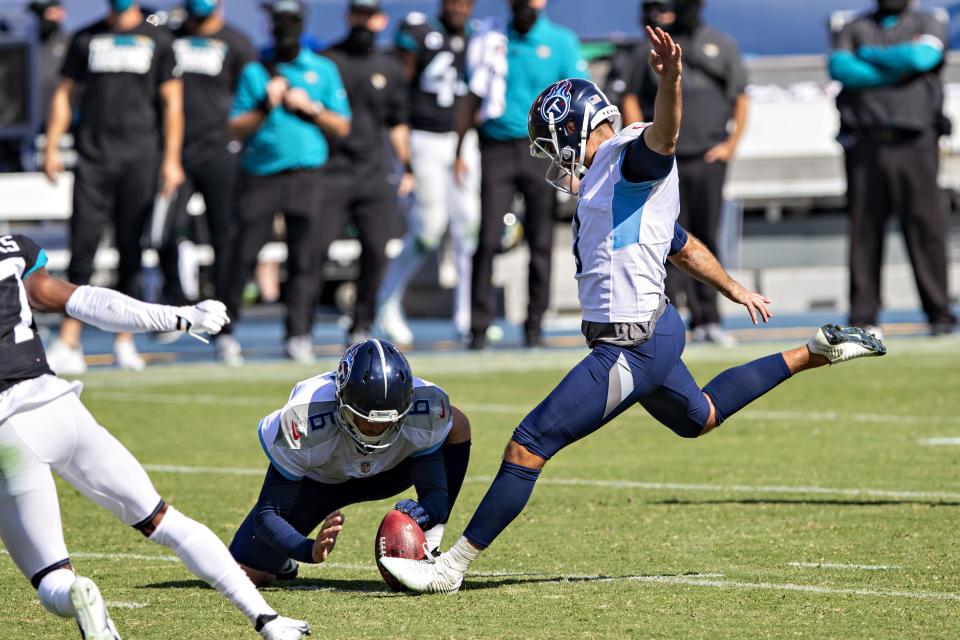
(211, 54)
(287, 109)
(357, 188)
(891, 115)
(132, 99)
(508, 65)
(714, 115)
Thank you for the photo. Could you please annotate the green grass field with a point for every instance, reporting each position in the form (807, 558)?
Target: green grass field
(817, 512)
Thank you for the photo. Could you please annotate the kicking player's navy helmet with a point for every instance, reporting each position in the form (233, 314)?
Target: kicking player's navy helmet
(559, 123)
(374, 383)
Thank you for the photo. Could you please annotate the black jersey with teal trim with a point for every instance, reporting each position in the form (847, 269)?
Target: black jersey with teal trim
(21, 352)
(439, 77)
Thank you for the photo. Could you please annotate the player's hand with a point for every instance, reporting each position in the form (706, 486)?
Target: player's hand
(171, 177)
(208, 316)
(755, 303)
(276, 87)
(327, 536)
(665, 55)
(408, 182)
(52, 164)
(459, 170)
(298, 100)
(413, 509)
(721, 152)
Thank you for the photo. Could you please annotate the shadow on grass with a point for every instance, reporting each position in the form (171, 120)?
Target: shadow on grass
(300, 584)
(809, 501)
(378, 589)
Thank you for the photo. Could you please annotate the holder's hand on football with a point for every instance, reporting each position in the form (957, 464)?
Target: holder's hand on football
(413, 509)
(327, 537)
(208, 316)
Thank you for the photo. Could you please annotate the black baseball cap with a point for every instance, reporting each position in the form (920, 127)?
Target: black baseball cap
(294, 7)
(372, 6)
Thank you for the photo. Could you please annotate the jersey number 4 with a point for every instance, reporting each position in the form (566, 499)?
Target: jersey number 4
(441, 78)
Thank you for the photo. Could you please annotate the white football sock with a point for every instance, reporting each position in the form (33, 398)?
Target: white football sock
(206, 557)
(434, 535)
(54, 592)
(460, 555)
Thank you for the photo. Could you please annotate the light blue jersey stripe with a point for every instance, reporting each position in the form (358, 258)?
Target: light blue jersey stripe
(39, 264)
(627, 207)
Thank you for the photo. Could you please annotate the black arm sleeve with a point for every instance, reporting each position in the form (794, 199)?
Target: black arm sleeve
(430, 479)
(640, 164)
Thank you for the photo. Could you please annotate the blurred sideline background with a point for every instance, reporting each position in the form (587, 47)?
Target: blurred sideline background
(784, 229)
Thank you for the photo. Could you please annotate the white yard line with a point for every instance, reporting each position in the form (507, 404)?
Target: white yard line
(695, 579)
(727, 584)
(939, 441)
(628, 484)
(835, 565)
(125, 605)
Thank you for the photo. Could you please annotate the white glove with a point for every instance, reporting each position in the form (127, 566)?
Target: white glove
(208, 316)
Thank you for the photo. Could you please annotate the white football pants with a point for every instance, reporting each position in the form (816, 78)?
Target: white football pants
(440, 201)
(47, 427)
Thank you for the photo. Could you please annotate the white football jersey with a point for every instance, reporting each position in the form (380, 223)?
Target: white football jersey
(621, 236)
(327, 454)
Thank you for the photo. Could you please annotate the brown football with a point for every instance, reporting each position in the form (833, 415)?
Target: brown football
(398, 537)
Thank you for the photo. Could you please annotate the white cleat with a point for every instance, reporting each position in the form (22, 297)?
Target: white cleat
(300, 349)
(66, 360)
(229, 351)
(281, 628)
(91, 612)
(392, 324)
(839, 344)
(425, 576)
(127, 357)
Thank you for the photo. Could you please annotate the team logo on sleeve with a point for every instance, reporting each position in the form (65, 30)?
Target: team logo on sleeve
(557, 103)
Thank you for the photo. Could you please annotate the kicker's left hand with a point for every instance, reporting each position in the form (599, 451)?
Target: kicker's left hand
(413, 509)
(755, 303)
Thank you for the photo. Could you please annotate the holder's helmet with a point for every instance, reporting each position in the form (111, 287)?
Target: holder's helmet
(374, 383)
(559, 123)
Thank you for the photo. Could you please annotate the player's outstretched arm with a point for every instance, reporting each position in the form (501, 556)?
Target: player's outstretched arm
(697, 260)
(113, 311)
(665, 60)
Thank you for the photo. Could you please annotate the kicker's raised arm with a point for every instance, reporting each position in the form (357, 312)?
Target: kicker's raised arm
(665, 60)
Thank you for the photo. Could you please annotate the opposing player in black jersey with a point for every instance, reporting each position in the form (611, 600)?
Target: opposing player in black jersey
(44, 426)
(433, 52)
(210, 54)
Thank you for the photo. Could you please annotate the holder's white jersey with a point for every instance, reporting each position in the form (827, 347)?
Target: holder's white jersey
(327, 454)
(621, 236)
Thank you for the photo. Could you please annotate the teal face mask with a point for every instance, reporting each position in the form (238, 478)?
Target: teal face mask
(201, 8)
(120, 5)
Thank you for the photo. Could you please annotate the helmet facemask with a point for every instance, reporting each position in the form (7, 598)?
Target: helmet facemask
(371, 444)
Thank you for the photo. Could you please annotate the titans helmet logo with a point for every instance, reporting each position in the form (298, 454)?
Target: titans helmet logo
(557, 102)
(346, 364)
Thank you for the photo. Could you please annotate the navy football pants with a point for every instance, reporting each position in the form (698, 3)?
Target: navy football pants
(609, 381)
